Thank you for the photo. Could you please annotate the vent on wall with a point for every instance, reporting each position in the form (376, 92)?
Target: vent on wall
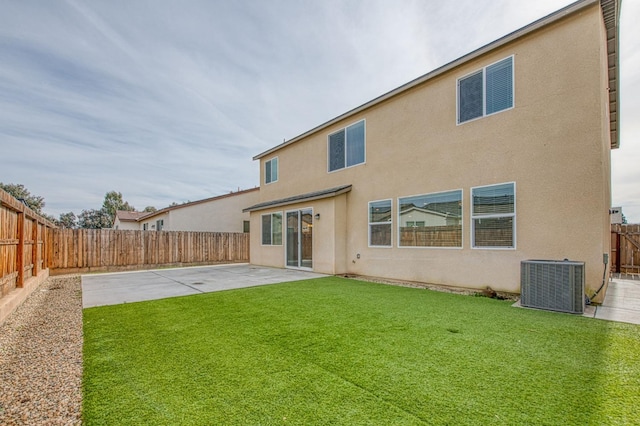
(551, 284)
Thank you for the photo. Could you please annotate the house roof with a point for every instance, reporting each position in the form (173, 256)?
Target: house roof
(127, 216)
(309, 196)
(435, 211)
(193, 203)
(611, 14)
(140, 216)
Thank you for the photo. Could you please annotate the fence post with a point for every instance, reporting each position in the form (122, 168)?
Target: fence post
(34, 249)
(20, 251)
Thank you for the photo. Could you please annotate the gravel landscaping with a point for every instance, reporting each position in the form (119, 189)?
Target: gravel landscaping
(41, 357)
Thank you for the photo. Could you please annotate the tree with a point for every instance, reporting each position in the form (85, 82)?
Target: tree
(103, 218)
(112, 202)
(150, 209)
(94, 219)
(34, 202)
(67, 220)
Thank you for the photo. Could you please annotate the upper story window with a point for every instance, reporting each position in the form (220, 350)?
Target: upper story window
(347, 147)
(493, 216)
(271, 170)
(486, 92)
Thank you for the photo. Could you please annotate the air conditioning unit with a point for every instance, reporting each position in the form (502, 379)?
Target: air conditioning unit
(556, 285)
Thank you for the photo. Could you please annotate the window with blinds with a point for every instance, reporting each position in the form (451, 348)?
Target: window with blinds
(380, 223)
(271, 170)
(493, 216)
(347, 147)
(486, 92)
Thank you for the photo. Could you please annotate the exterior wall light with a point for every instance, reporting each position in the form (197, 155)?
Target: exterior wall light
(317, 216)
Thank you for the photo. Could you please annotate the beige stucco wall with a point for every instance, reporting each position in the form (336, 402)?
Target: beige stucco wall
(125, 225)
(329, 244)
(151, 222)
(221, 215)
(553, 144)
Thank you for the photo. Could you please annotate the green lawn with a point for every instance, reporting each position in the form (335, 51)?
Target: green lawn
(339, 351)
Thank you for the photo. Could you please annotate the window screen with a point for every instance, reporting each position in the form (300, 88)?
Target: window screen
(266, 230)
(347, 147)
(470, 97)
(336, 150)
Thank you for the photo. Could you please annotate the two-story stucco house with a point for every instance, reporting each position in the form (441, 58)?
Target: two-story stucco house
(454, 178)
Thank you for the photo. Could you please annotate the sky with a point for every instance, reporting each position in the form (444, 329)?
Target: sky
(168, 101)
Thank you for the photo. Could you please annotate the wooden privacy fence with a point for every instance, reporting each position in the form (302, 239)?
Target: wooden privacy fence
(625, 248)
(100, 250)
(431, 236)
(24, 239)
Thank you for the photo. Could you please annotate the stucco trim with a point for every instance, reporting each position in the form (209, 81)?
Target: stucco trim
(310, 196)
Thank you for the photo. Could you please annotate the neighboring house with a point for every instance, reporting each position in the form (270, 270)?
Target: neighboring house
(217, 214)
(508, 147)
(127, 221)
(616, 215)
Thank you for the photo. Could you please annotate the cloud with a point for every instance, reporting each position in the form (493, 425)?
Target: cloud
(168, 101)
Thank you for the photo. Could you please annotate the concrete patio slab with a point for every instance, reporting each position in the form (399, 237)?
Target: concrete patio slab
(621, 302)
(128, 287)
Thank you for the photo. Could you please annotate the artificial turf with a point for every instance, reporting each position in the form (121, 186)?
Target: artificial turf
(347, 352)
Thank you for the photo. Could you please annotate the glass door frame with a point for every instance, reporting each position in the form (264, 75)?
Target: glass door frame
(299, 260)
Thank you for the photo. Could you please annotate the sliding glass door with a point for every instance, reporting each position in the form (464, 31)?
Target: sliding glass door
(299, 246)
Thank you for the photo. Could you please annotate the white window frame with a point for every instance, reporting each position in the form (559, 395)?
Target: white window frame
(390, 223)
(277, 162)
(484, 91)
(473, 217)
(344, 129)
(271, 231)
(462, 221)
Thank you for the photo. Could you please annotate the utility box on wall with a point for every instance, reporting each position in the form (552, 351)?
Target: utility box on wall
(556, 285)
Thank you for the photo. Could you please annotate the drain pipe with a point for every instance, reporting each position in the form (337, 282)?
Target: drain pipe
(605, 260)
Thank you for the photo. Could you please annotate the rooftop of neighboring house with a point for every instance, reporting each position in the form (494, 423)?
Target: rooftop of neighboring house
(147, 215)
(127, 216)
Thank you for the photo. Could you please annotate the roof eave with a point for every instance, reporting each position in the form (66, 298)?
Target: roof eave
(332, 192)
(611, 16)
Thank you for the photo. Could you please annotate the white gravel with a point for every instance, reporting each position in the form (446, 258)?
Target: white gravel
(41, 357)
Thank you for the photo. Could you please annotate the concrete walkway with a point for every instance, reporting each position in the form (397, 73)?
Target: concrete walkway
(138, 286)
(621, 302)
